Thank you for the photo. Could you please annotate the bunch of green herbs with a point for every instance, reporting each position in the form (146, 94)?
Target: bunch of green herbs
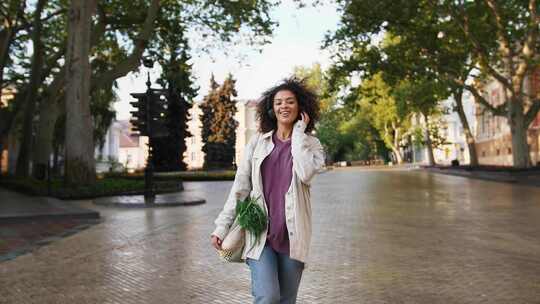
(251, 217)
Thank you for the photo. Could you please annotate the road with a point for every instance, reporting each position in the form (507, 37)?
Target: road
(379, 236)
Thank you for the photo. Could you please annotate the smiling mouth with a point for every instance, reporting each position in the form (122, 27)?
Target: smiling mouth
(284, 114)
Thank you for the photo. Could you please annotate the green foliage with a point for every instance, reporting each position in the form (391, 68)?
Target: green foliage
(207, 115)
(386, 114)
(316, 80)
(251, 217)
(177, 77)
(345, 132)
(118, 42)
(103, 187)
(460, 44)
(102, 113)
(223, 175)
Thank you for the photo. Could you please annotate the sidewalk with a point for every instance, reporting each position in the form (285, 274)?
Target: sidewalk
(29, 222)
(528, 178)
(16, 207)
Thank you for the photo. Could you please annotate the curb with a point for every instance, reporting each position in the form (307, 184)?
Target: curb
(489, 176)
(13, 218)
(160, 201)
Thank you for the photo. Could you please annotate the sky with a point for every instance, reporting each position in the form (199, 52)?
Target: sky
(296, 42)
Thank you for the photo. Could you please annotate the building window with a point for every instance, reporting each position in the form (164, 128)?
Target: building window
(509, 150)
(192, 155)
(483, 153)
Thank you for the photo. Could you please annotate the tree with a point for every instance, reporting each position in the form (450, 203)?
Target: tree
(219, 108)
(208, 116)
(177, 78)
(422, 96)
(169, 151)
(225, 130)
(345, 131)
(508, 58)
(316, 80)
(31, 91)
(122, 31)
(438, 54)
(389, 119)
(3, 117)
(13, 19)
(498, 38)
(80, 163)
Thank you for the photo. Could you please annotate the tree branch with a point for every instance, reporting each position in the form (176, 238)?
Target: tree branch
(99, 29)
(503, 37)
(133, 60)
(27, 26)
(531, 113)
(528, 51)
(484, 61)
(499, 110)
(51, 63)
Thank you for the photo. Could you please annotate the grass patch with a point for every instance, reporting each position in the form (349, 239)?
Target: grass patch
(222, 175)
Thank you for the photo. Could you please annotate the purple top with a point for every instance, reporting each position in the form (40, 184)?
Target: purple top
(276, 176)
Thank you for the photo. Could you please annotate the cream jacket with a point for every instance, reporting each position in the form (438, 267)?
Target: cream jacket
(308, 159)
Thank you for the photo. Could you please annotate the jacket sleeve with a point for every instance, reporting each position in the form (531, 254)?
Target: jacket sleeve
(239, 191)
(307, 153)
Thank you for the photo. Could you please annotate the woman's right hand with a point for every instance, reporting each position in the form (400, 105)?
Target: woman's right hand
(216, 242)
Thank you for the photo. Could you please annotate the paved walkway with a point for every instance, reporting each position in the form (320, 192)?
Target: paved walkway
(18, 207)
(379, 237)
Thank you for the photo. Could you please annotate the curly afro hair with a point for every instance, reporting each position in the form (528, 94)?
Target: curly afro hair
(308, 102)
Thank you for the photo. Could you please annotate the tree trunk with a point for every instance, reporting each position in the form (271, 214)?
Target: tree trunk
(13, 150)
(429, 145)
(397, 154)
(471, 142)
(51, 107)
(1, 154)
(44, 140)
(395, 145)
(7, 34)
(56, 162)
(518, 129)
(23, 160)
(80, 162)
(6, 37)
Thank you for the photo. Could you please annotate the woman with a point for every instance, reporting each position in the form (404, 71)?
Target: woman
(278, 165)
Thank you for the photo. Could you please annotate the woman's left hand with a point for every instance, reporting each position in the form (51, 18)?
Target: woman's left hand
(305, 117)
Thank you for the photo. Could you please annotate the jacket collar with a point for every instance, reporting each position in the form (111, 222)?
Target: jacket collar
(268, 134)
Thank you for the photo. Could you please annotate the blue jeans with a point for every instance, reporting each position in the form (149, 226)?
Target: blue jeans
(275, 277)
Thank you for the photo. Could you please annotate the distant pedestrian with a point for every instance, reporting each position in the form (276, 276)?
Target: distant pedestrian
(278, 165)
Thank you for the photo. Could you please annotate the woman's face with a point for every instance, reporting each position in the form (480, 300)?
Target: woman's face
(286, 107)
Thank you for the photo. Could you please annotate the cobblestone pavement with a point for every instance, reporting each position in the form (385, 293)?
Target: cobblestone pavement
(379, 237)
(17, 238)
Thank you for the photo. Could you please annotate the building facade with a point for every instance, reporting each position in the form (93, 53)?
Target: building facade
(493, 136)
(122, 150)
(456, 147)
(451, 129)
